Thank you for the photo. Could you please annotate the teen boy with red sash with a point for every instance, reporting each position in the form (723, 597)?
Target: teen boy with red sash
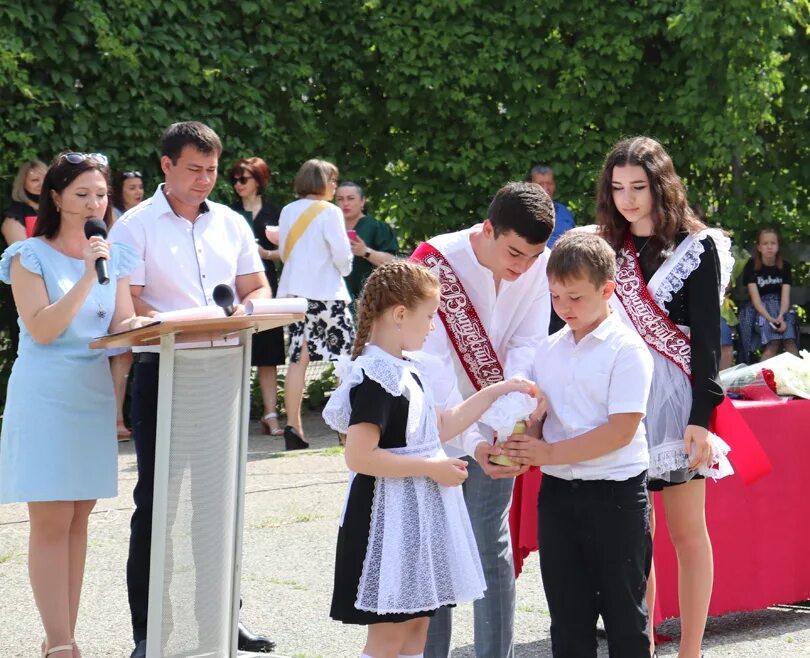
(494, 309)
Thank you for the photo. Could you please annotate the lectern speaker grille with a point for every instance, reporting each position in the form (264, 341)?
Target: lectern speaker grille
(201, 503)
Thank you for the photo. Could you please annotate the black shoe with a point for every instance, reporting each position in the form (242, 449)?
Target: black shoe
(254, 643)
(293, 440)
(140, 650)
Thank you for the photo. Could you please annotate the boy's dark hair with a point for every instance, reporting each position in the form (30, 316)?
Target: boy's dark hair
(524, 208)
(582, 254)
(189, 133)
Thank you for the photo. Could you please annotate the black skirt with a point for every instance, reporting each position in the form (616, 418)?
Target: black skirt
(268, 348)
(351, 553)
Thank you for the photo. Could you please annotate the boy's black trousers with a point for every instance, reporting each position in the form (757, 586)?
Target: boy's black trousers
(595, 556)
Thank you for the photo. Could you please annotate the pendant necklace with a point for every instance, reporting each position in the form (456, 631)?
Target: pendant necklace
(643, 247)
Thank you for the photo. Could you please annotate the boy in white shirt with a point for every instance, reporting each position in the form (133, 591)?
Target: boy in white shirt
(593, 514)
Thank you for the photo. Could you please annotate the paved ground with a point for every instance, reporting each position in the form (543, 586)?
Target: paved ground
(292, 506)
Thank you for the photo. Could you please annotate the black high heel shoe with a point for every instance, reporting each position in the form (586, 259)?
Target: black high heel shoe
(293, 440)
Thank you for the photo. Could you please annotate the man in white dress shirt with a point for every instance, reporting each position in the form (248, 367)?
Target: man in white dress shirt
(188, 245)
(501, 264)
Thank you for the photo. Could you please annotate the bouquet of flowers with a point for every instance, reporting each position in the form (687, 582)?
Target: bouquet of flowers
(792, 373)
(749, 382)
(784, 374)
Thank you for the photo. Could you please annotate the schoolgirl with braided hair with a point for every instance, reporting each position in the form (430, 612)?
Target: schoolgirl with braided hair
(405, 546)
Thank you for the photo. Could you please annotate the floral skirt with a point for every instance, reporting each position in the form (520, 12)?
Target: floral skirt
(327, 327)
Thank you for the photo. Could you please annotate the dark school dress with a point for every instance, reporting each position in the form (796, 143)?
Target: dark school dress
(370, 404)
(695, 306)
(268, 346)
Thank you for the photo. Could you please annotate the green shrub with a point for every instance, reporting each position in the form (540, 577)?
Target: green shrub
(431, 104)
(319, 388)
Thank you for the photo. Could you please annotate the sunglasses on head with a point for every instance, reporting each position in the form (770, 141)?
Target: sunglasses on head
(242, 180)
(77, 158)
(132, 174)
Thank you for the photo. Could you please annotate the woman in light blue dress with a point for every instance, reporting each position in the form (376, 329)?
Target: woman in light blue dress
(58, 448)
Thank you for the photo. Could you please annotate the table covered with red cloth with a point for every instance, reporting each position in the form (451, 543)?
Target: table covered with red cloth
(760, 532)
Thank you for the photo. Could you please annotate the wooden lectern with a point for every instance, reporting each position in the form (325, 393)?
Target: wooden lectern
(200, 462)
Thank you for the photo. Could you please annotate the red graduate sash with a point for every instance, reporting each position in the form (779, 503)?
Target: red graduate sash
(470, 341)
(460, 319)
(663, 335)
(652, 324)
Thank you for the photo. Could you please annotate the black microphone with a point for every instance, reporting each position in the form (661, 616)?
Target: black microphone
(223, 296)
(95, 226)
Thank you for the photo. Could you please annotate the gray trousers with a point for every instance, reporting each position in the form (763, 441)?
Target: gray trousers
(488, 503)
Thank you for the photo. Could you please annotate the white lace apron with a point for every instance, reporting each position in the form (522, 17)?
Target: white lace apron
(421, 551)
(670, 400)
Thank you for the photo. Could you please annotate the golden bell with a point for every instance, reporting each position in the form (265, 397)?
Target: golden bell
(504, 460)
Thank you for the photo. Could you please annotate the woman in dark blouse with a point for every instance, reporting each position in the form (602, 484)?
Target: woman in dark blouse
(18, 224)
(639, 195)
(250, 177)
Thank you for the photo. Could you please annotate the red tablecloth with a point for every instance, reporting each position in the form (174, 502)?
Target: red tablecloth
(760, 532)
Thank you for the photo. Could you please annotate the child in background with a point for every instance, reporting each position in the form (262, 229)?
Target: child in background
(768, 279)
(405, 546)
(728, 320)
(728, 313)
(593, 512)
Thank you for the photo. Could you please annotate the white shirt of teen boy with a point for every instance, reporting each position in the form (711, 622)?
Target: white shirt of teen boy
(608, 372)
(515, 317)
